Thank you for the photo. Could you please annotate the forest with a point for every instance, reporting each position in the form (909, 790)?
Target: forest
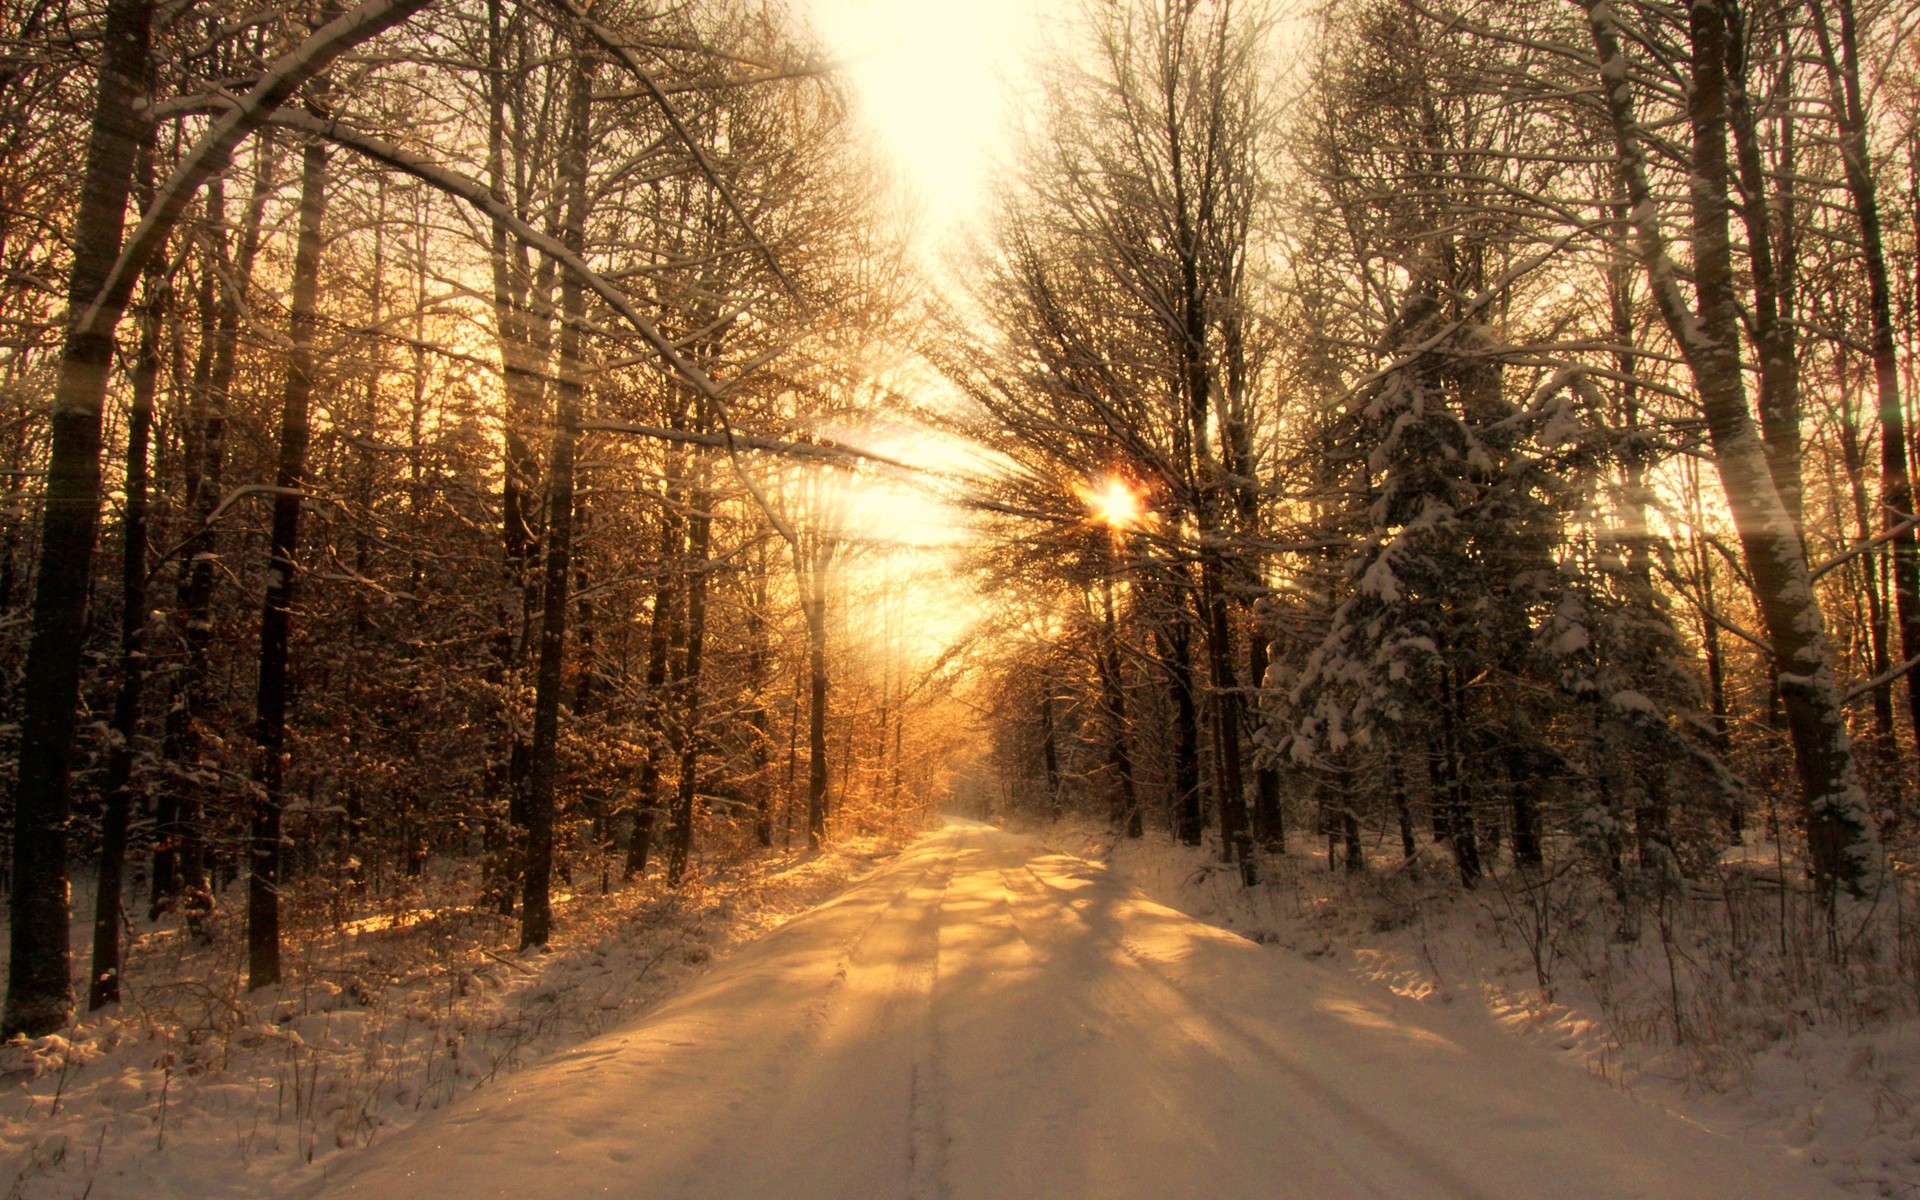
(517, 447)
(1492, 433)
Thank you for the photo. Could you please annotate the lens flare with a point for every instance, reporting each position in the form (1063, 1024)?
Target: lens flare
(1114, 503)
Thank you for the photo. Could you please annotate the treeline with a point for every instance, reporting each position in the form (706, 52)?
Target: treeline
(1519, 403)
(418, 443)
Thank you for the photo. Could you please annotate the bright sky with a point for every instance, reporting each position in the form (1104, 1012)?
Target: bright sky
(931, 79)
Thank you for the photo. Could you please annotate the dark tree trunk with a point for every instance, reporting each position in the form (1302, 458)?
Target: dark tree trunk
(1437, 791)
(1126, 816)
(276, 619)
(1189, 817)
(659, 648)
(536, 912)
(1235, 836)
(587, 673)
(521, 326)
(1401, 809)
(1461, 834)
(759, 655)
(1526, 810)
(39, 990)
(680, 824)
(1049, 752)
(103, 985)
(817, 717)
(1269, 823)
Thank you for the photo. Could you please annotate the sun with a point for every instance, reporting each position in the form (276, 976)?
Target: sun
(1114, 503)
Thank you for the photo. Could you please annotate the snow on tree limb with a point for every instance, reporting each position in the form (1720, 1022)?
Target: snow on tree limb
(611, 42)
(464, 187)
(214, 151)
(785, 447)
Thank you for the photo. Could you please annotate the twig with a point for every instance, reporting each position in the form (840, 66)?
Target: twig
(508, 962)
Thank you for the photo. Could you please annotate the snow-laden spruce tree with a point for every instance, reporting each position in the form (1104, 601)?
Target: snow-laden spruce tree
(1428, 638)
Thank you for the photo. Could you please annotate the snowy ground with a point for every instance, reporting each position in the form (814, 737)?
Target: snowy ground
(1788, 1053)
(984, 1018)
(196, 1088)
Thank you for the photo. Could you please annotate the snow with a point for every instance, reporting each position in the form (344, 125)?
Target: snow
(983, 1015)
(1629, 701)
(986, 1018)
(196, 1088)
(1819, 1066)
(1379, 581)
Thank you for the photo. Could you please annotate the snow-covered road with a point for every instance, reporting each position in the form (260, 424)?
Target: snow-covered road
(983, 1019)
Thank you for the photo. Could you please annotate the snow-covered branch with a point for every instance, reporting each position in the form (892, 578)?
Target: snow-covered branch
(214, 151)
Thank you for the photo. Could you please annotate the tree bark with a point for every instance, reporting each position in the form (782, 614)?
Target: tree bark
(680, 824)
(816, 615)
(536, 912)
(1125, 817)
(103, 987)
(653, 702)
(1189, 816)
(759, 655)
(1049, 751)
(276, 618)
(39, 990)
(1841, 838)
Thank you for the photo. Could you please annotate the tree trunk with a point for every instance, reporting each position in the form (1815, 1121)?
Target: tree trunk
(1402, 811)
(103, 987)
(1526, 809)
(521, 333)
(1235, 836)
(1269, 821)
(699, 543)
(1841, 838)
(1125, 817)
(1461, 832)
(39, 990)
(276, 619)
(653, 703)
(1049, 752)
(759, 655)
(1189, 817)
(1896, 479)
(536, 912)
(817, 719)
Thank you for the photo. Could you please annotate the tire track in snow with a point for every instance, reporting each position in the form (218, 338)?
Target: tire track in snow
(783, 1078)
(927, 1135)
(1390, 1163)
